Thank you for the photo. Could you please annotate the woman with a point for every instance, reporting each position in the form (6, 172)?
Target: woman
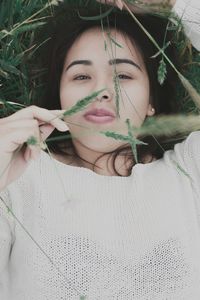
(92, 233)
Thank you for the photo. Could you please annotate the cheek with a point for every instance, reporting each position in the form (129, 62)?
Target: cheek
(135, 99)
(71, 93)
(68, 95)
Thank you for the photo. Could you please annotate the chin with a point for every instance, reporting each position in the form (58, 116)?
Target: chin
(100, 144)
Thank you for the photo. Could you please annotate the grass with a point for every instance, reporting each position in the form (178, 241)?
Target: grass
(20, 20)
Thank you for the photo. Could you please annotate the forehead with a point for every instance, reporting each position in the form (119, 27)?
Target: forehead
(97, 44)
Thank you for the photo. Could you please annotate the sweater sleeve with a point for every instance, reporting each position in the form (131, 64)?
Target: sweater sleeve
(6, 228)
(189, 12)
(187, 155)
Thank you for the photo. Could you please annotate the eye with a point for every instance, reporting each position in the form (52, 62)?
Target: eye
(81, 77)
(124, 76)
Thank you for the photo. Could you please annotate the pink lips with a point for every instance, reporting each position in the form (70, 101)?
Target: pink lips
(99, 116)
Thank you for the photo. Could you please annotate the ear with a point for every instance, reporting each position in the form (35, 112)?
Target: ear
(150, 111)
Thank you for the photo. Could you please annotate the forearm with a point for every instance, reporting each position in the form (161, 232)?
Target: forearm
(141, 5)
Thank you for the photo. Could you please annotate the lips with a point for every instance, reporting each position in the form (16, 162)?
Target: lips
(99, 116)
(99, 112)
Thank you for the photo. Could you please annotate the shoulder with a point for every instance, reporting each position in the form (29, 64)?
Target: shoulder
(186, 156)
(190, 146)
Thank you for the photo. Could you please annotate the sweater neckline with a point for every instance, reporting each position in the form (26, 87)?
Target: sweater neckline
(89, 172)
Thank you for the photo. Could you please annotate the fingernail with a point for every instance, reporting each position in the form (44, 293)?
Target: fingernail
(63, 126)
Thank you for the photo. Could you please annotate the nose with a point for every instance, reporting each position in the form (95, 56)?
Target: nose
(105, 95)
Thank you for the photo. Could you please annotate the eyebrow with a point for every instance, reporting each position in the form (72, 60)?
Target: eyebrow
(111, 62)
(118, 61)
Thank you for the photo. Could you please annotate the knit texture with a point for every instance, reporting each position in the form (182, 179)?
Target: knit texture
(107, 237)
(189, 12)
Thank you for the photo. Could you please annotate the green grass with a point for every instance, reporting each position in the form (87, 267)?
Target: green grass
(19, 22)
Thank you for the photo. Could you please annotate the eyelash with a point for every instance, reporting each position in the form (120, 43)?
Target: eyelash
(125, 76)
(80, 77)
(85, 77)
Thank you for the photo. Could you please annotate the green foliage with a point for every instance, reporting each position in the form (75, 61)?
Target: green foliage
(18, 23)
(179, 168)
(162, 72)
(113, 40)
(98, 17)
(20, 20)
(129, 139)
(192, 72)
(187, 85)
(133, 141)
(32, 141)
(82, 103)
(115, 135)
(169, 125)
(117, 91)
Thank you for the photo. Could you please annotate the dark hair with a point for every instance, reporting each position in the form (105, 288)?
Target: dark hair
(65, 31)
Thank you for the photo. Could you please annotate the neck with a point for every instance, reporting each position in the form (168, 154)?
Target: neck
(104, 165)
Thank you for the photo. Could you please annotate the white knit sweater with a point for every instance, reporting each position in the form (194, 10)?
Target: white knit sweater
(189, 12)
(107, 237)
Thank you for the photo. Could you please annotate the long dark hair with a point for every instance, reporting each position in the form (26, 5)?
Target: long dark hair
(63, 34)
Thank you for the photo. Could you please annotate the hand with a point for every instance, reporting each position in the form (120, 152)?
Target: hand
(139, 6)
(15, 130)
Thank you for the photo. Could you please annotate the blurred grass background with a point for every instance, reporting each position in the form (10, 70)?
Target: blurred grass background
(20, 76)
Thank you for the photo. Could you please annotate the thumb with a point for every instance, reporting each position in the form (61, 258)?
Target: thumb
(45, 131)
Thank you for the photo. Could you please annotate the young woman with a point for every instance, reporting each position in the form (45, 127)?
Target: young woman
(80, 224)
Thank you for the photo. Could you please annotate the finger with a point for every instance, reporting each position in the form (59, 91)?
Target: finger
(25, 123)
(31, 152)
(31, 123)
(27, 154)
(14, 139)
(45, 131)
(42, 114)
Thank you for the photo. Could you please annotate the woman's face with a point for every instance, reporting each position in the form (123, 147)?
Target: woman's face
(92, 64)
